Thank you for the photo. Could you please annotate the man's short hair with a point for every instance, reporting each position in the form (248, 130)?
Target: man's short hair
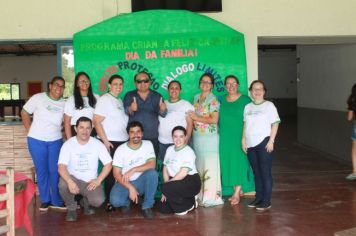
(142, 72)
(83, 119)
(133, 124)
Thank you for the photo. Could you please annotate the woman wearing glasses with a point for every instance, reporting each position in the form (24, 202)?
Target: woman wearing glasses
(206, 141)
(110, 122)
(81, 103)
(45, 140)
(236, 173)
(261, 122)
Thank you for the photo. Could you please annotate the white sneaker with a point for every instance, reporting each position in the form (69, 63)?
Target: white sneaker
(185, 212)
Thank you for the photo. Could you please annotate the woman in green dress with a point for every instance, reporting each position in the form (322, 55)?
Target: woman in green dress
(236, 172)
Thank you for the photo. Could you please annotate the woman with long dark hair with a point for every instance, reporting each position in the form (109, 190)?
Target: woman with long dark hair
(351, 116)
(81, 103)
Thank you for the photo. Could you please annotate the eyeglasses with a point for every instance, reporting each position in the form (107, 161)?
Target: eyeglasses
(143, 81)
(84, 82)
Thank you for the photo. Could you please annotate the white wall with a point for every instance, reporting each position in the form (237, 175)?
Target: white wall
(20, 69)
(326, 74)
(50, 19)
(278, 69)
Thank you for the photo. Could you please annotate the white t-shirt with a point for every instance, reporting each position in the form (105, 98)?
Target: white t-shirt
(82, 160)
(258, 119)
(115, 121)
(87, 110)
(127, 158)
(47, 117)
(178, 159)
(176, 115)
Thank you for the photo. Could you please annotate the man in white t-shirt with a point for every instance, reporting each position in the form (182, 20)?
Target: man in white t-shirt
(134, 170)
(78, 166)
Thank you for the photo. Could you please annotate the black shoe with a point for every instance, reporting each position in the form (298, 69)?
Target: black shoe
(71, 216)
(263, 206)
(44, 207)
(109, 208)
(148, 214)
(254, 203)
(125, 209)
(60, 208)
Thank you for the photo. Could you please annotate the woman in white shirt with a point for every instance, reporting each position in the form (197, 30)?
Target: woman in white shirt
(177, 114)
(81, 103)
(261, 122)
(44, 139)
(181, 179)
(110, 122)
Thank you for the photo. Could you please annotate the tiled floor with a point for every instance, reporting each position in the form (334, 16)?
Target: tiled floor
(310, 197)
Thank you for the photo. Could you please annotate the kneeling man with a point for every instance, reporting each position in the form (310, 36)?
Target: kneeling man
(134, 170)
(78, 168)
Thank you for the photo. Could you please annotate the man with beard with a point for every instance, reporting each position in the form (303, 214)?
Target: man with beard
(134, 170)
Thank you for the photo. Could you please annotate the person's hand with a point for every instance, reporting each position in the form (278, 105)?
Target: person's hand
(163, 198)
(93, 184)
(244, 145)
(192, 115)
(133, 106)
(127, 175)
(270, 146)
(108, 145)
(73, 188)
(133, 194)
(162, 105)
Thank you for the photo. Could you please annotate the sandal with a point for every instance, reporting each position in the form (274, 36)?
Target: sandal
(234, 200)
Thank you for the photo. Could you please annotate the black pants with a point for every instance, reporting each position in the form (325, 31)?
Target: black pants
(180, 194)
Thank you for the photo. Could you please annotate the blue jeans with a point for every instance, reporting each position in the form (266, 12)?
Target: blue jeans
(146, 185)
(261, 163)
(45, 158)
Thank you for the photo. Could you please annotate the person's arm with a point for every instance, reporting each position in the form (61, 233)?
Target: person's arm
(130, 104)
(162, 107)
(133, 194)
(350, 115)
(243, 141)
(270, 144)
(93, 184)
(97, 120)
(165, 174)
(63, 172)
(150, 164)
(212, 118)
(26, 119)
(67, 126)
(189, 129)
(183, 172)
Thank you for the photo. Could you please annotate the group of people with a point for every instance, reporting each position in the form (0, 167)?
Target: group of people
(115, 143)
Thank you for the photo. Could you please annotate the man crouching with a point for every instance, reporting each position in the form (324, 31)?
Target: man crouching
(134, 170)
(78, 167)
